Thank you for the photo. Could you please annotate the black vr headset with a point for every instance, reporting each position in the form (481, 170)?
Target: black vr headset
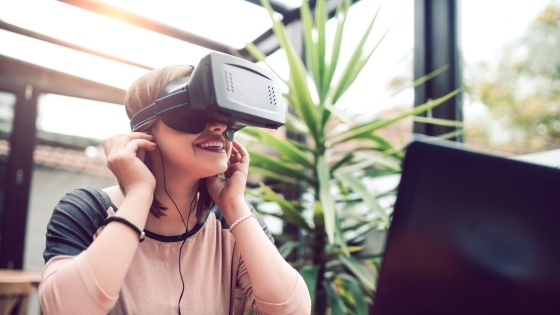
(222, 88)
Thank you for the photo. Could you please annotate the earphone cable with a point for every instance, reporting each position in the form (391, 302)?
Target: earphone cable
(186, 229)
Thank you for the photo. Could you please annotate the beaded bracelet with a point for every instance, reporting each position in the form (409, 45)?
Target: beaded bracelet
(240, 219)
(141, 234)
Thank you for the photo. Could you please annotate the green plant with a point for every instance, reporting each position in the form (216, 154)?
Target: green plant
(335, 208)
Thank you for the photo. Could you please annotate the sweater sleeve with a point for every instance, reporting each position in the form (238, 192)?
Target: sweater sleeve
(74, 221)
(299, 302)
(69, 287)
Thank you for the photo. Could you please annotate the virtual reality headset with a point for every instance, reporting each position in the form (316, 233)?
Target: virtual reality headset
(222, 88)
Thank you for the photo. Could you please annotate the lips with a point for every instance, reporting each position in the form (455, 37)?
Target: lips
(214, 144)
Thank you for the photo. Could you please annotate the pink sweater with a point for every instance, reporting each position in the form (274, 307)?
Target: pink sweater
(153, 285)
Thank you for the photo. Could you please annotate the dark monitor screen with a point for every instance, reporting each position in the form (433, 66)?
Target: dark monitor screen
(471, 234)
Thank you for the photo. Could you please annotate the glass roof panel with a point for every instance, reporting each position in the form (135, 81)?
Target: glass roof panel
(230, 22)
(100, 33)
(68, 60)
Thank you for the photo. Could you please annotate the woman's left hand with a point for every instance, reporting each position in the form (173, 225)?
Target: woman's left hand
(230, 190)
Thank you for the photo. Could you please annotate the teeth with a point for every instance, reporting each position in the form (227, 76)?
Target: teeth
(219, 145)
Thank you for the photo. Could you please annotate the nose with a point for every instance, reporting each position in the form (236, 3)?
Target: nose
(217, 126)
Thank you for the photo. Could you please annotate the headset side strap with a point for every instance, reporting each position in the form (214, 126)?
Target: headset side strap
(162, 105)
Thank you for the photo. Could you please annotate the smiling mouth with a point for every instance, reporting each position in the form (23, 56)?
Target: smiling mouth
(212, 146)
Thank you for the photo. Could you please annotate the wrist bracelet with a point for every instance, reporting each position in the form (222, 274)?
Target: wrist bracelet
(239, 220)
(141, 234)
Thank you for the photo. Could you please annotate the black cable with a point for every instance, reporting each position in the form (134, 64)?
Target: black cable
(183, 243)
(186, 228)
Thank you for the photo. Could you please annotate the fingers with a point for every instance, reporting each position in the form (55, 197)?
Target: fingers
(235, 156)
(128, 144)
(241, 153)
(139, 144)
(238, 161)
(122, 140)
(240, 148)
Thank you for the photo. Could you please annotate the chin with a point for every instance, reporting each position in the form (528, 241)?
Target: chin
(213, 171)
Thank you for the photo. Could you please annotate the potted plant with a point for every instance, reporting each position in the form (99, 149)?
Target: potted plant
(335, 208)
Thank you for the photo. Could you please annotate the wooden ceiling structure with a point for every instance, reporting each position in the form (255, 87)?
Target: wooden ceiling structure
(435, 46)
(27, 81)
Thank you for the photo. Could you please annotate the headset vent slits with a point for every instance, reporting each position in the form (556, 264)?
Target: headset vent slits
(229, 82)
(271, 95)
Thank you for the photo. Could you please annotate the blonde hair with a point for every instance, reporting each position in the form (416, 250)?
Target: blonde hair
(143, 92)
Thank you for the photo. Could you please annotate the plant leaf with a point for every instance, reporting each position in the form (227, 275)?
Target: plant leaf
(285, 148)
(277, 166)
(345, 159)
(318, 216)
(295, 124)
(300, 145)
(327, 201)
(357, 293)
(309, 275)
(302, 101)
(310, 49)
(320, 23)
(358, 270)
(341, 14)
(367, 129)
(368, 161)
(287, 248)
(339, 113)
(452, 134)
(273, 175)
(338, 251)
(417, 82)
(290, 212)
(258, 55)
(382, 144)
(282, 237)
(342, 84)
(438, 121)
(358, 187)
(353, 74)
(340, 237)
(336, 304)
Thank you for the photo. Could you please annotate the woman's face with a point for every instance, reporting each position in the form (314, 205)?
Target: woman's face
(200, 155)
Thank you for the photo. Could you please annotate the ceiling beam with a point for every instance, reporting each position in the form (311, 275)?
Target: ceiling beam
(149, 24)
(268, 43)
(277, 6)
(22, 31)
(51, 81)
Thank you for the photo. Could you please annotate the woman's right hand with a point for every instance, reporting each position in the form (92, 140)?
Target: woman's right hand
(125, 158)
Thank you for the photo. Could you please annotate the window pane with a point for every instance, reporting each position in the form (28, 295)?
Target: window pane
(80, 117)
(512, 75)
(7, 106)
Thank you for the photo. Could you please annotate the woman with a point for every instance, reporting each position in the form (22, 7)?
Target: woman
(168, 183)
